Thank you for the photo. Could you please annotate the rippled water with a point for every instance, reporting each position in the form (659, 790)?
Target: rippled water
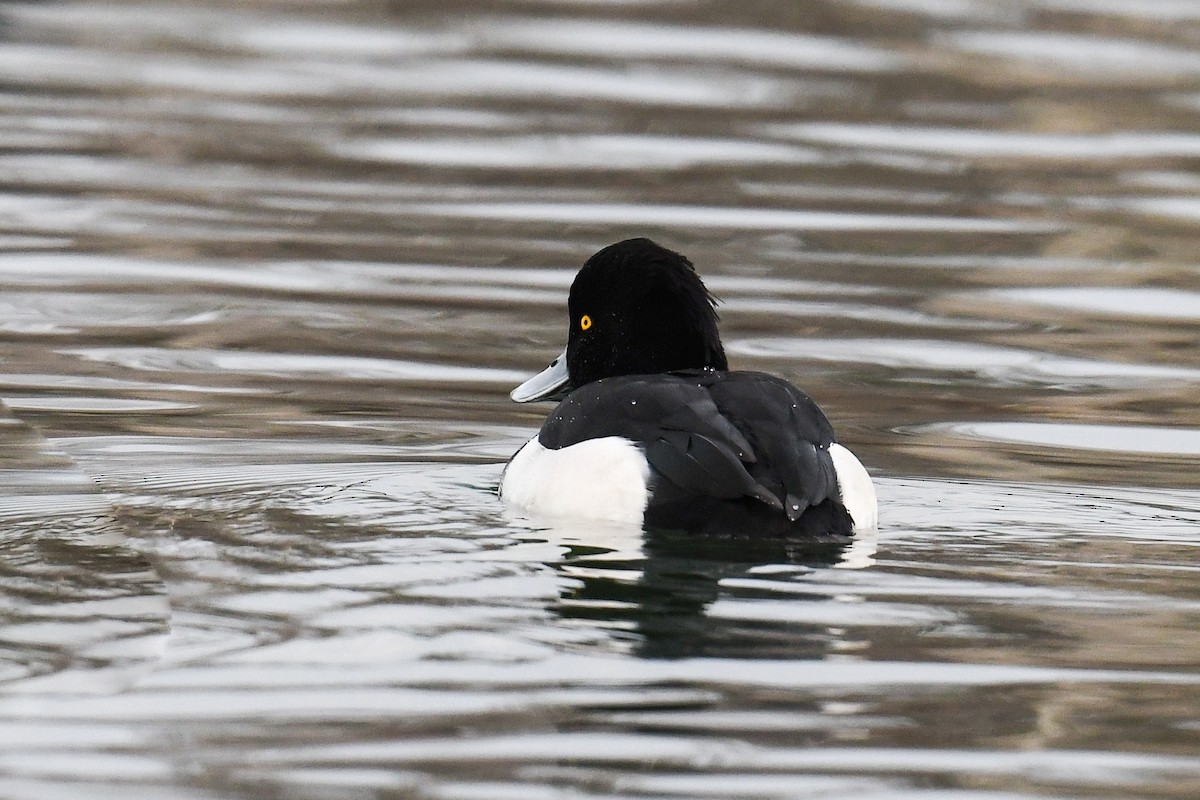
(268, 271)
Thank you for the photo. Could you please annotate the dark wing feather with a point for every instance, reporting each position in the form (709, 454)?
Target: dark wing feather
(699, 466)
(790, 433)
(722, 435)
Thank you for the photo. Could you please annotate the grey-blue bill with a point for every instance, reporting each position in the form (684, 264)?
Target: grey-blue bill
(546, 384)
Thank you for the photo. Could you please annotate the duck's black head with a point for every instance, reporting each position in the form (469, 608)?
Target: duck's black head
(637, 308)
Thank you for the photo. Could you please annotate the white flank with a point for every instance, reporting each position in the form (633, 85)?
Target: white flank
(596, 479)
(858, 492)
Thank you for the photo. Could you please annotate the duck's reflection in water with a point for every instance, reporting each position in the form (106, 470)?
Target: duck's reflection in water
(654, 588)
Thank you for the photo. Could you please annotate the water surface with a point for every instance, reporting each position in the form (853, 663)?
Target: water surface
(267, 272)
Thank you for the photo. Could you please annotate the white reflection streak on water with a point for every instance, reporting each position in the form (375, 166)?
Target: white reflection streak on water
(1117, 438)
(990, 362)
(749, 219)
(284, 364)
(968, 143)
(1128, 301)
(577, 152)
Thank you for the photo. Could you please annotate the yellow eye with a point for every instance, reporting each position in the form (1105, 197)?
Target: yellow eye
(585, 322)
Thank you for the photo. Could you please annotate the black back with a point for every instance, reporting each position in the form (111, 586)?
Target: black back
(721, 445)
